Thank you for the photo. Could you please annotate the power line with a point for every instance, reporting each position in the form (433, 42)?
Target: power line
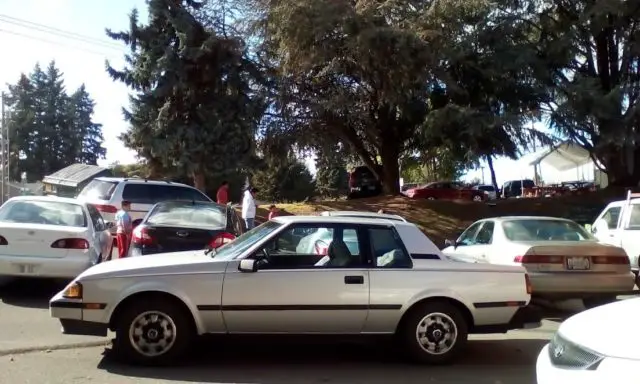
(57, 31)
(54, 42)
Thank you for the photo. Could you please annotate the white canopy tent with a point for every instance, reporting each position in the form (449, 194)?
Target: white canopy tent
(562, 157)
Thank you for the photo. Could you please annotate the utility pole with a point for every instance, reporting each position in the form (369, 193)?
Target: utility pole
(4, 150)
(2, 139)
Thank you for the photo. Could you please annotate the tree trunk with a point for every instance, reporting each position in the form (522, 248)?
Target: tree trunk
(199, 181)
(390, 170)
(494, 182)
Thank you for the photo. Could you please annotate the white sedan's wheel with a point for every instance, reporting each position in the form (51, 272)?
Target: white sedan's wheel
(153, 331)
(434, 333)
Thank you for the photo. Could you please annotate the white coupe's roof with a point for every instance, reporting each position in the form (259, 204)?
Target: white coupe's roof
(335, 219)
(363, 214)
(509, 218)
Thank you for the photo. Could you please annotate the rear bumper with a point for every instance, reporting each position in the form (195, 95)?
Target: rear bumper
(527, 317)
(64, 267)
(580, 285)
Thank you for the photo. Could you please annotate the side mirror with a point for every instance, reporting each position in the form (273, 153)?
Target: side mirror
(600, 226)
(248, 265)
(109, 224)
(450, 243)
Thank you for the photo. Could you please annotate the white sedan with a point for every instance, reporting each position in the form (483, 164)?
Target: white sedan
(594, 347)
(562, 258)
(52, 237)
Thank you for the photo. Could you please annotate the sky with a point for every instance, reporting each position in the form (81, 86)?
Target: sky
(79, 46)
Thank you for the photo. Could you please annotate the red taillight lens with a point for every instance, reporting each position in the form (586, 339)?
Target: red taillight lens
(3, 241)
(71, 244)
(614, 260)
(221, 239)
(141, 236)
(321, 248)
(106, 208)
(538, 259)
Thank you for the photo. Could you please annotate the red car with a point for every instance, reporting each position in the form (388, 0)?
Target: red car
(446, 190)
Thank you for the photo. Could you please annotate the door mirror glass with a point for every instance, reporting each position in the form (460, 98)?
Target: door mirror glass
(248, 265)
(600, 226)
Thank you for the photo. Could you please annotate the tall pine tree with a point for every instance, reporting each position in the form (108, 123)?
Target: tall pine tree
(194, 107)
(49, 129)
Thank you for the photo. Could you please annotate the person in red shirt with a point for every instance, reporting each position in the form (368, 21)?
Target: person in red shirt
(223, 193)
(273, 211)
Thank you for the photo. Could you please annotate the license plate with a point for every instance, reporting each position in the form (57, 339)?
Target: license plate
(578, 263)
(26, 268)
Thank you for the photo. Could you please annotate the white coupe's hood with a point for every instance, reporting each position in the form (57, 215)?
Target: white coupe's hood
(148, 264)
(610, 330)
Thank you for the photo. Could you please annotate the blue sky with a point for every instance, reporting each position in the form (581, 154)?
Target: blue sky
(82, 60)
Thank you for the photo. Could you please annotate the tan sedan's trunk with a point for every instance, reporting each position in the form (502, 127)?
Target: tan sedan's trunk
(573, 257)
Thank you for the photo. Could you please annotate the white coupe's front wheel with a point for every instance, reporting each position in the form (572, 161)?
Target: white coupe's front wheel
(153, 332)
(434, 333)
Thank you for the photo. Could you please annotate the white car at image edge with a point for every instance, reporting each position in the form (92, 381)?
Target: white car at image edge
(595, 346)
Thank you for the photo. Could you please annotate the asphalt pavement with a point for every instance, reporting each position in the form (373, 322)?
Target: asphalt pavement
(32, 350)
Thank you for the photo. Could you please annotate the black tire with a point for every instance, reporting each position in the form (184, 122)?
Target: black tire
(408, 332)
(477, 198)
(431, 198)
(183, 333)
(592, 302)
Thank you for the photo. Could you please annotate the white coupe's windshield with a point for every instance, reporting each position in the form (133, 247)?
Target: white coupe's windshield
(245, 241)
(545, 230)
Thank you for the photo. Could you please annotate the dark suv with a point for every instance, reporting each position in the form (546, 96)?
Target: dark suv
(363, 183)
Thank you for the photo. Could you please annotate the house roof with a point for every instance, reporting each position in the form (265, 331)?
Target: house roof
(73, 175)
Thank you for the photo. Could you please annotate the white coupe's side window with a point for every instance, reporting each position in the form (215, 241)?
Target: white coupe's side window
(387, 249)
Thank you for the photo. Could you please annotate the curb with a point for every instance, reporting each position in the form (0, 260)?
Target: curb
(49, 348)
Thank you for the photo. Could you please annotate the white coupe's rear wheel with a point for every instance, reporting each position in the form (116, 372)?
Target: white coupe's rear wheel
(153, 331)
(433, 333)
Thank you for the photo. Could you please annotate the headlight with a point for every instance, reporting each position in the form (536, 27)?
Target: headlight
(73, 291)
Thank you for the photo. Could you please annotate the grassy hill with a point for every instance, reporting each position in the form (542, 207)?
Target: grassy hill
(447, 219)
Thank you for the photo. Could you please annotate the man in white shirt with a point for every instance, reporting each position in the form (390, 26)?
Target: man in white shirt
(249, 207)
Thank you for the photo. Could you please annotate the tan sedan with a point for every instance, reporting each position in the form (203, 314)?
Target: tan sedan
(562, 259)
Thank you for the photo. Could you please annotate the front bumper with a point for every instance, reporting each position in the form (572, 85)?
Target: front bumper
(610, 370)
(70, 313)
(580, 285)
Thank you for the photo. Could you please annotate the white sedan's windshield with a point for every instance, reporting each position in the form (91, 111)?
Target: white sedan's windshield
(246, 240)
(545, 230)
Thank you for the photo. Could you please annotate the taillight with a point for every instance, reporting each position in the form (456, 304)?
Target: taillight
(321, 248)
(538, 259)
(615, 260)
(71, 244)
(221, 239)
(106, 208)
(527, 282)
(3, 241)
(141, 236)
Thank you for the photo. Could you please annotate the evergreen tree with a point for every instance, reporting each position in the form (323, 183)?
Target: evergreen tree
(50, 130)
(194, 107)
(331, 173)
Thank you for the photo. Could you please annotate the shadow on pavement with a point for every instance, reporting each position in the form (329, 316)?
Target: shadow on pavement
(238, 360)
(30, 293)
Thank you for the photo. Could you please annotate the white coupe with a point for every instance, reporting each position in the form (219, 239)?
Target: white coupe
(594, 347)
(391, 279)
(52, 237)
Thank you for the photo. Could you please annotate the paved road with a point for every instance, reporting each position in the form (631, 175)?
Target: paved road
(26, 325)
(508, 361)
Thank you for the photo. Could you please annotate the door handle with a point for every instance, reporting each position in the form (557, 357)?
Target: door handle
(354, 279)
